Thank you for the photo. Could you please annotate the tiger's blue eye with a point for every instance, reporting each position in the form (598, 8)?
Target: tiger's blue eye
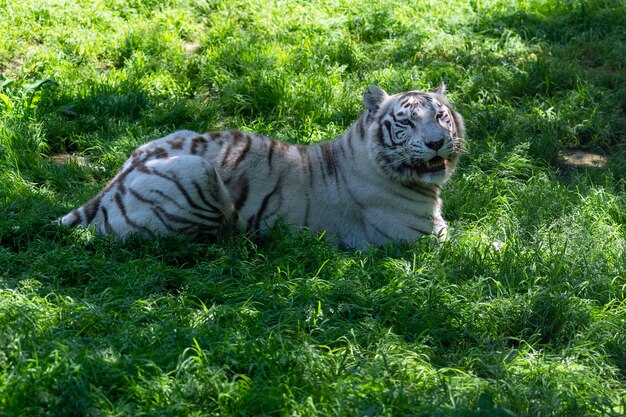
(405, 122)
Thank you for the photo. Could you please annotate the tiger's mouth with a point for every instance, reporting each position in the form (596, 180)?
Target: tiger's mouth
(432, 165)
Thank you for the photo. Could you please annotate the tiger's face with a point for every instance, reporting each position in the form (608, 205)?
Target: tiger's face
(415, 137)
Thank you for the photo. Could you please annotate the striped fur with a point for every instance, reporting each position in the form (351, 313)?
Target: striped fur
(378, 182)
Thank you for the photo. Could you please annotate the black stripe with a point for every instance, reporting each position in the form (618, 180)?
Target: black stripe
(121, 185)
(361, 127)
(215, 219)
(302, 151)
(349, 138)
(158, 153)
(405, 197)
(242, 196)
(122, 207)
(77, 219)
(329, 158)
(342, 151)
(107, 225)
(237, 135)
(270, 154)
(339, 166)
(229, 149)
(166, 197)
(381, 232)
(264, 204)
(307, 210)
(91, 209)
(244, 151)
(379, 136)
(155, 210)
(140, 197)
(142, 167)
(192, 227)
(199, 142)
(180, 187)
(416, 229)
(387, 125)
(423, 190)
(306, 162)
(185, 220)
(200, 193)
(320, 161)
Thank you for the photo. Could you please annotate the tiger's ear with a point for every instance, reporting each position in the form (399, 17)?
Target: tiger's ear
(373, 97)
(442, 89)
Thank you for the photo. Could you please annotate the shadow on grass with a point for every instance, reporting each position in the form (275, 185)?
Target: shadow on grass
(582, 45)
(108, 112)
(133, 309)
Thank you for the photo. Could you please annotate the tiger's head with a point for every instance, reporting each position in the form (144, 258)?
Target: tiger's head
(414, 137)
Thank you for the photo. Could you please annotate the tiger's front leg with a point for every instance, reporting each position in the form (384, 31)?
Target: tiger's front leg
(176, 195)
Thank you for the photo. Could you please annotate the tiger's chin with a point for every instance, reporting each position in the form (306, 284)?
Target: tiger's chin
(431, 166)
(433, 171)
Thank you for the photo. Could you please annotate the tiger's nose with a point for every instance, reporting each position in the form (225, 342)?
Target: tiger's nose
(435, 145)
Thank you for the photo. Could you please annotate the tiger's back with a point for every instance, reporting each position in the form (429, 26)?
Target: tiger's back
(351, 187)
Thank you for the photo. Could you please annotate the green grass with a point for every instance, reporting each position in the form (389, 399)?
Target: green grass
(286, 325)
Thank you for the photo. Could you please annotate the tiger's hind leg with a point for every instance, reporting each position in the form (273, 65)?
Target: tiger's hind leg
(179, 195)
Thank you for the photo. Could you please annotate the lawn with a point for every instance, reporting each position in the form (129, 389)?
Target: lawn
(285, 325)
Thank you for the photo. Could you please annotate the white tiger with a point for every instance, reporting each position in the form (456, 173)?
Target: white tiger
(378, 182)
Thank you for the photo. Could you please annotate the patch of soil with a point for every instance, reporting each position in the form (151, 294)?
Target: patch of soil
(191, 47)
(66, 158)
(581, 158)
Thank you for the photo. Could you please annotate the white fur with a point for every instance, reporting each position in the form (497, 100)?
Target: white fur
(370, 185)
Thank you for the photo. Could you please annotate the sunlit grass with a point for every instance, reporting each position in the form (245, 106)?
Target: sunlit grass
(521, 312)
